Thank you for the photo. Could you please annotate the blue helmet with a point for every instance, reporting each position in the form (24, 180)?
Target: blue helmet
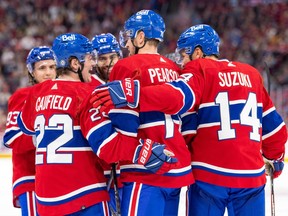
(39, 54)
(199, 35)
(151, 23)
(71, 45)
(106, 43)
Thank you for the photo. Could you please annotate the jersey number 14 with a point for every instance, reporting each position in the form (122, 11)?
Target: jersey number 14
(248, 117)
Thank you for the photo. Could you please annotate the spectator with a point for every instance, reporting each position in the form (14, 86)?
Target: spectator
(256, 31)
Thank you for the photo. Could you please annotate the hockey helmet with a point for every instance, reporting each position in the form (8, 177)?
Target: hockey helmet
(151, 23)
(199, 35)
(71, 45)
(39, 54)
(106, 43)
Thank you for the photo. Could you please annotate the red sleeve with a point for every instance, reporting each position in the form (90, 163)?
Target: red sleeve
(109, 144)
(163, 98)
(273, 146)
(180, 95)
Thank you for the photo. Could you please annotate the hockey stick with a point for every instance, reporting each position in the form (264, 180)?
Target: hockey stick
(267, 71)
(272, 194)
(113, 178)
(116, 191)
(113, 173)
(113, 212)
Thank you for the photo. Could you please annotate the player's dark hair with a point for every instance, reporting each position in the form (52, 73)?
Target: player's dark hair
(153, 42)
(66, 70)
(31, 78)
(215, 55)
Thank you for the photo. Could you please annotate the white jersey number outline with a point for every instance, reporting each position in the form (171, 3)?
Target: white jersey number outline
(62, 122)
(248, 116)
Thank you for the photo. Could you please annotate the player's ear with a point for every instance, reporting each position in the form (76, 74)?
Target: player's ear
(198, 53)
(141, 37)
(74, 64)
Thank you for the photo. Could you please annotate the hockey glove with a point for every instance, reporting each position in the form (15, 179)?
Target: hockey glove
(276, 166)
(117, 93)
(154, 156)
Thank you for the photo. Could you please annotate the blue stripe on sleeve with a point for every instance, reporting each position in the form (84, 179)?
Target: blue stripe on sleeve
(100, 134)
(125, 120)
(187, 92)
(11, 135)
(270, 122)
(23, 127)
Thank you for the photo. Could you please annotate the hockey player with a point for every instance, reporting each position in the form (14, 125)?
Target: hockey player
(236, 124)
(41, 65)
(69, 179)
(108, 52)
(144, 192)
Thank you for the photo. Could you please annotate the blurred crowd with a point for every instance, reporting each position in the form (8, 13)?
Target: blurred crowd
(252, 31)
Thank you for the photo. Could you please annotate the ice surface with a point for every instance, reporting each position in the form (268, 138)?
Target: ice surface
(7, 209)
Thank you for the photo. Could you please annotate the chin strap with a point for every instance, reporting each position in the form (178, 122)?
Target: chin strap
(79, 72)
(33, 80)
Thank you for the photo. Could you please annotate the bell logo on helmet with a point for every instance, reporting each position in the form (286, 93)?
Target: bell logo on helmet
(143, 12)
(105, 47)
(197, 27)
(71, 37)
(43, 53)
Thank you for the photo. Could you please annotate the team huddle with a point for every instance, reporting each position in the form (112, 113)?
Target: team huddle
(102, 134)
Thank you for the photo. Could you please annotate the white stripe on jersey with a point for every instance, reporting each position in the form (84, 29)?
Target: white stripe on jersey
(221, 169)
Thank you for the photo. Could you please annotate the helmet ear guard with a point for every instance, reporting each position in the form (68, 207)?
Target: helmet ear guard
(202, 36)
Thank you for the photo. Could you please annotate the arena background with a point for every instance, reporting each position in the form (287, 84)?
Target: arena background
(251, 31)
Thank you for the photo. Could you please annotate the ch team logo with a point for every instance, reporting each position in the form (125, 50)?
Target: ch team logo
(62, 62)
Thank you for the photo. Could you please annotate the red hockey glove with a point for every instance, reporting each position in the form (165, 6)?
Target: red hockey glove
(117, 93)
(154, 156)
(276, 166)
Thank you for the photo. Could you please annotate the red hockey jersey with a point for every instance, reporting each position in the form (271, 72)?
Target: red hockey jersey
(95, 82)
(151, 69)
(235, 120)
(23, 149)
(68, 174)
